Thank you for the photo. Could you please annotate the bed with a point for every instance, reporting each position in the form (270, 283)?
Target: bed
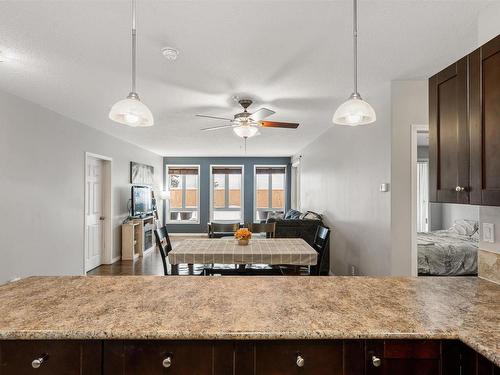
(450, 252)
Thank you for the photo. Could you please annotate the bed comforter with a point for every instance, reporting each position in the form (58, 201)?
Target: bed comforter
(446, 253)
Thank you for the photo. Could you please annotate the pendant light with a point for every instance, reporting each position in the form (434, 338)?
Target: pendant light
(131, 111)
(354, 111)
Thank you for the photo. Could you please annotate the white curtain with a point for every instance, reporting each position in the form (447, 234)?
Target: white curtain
(422, 196)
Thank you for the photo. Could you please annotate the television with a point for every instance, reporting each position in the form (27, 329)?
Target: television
(142, 200)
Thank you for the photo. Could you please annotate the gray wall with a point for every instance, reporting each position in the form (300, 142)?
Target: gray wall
(204, 163)
(42, 188)
(409, 107)
(341, 172)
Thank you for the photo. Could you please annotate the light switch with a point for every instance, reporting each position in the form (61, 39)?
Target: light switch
(384, 188)
(489, 232)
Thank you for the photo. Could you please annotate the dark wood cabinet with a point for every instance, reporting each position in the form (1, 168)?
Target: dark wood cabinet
(165, 357)
(449, 135)
(484, 96)
(464, 129)
(290, 357)
(50, 357)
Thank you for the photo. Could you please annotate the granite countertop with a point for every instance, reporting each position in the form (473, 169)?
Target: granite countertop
(184, 307)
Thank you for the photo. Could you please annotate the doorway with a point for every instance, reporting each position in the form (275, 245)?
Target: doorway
(97, 237)
(420, 206)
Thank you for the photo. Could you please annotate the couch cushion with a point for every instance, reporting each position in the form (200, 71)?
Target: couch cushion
(310, 215)
(292, 215)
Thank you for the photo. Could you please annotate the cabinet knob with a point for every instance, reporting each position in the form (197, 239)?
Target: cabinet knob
(459, 189)
(300, 361)
(376, 361)
(167, 362)
(37, 362)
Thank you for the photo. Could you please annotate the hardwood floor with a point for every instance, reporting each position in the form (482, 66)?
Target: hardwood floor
(148, 265)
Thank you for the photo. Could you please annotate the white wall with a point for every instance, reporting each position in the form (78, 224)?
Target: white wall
(452, 212)
(488, 24)
(409, 106)
(42, 193)
(340, 176)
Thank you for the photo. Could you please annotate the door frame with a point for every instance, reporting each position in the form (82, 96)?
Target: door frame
(107, 194)
(415, 129)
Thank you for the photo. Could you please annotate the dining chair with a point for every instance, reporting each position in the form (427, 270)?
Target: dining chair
(320, 244)
(164, 245)
(268, 228)
(218, 230)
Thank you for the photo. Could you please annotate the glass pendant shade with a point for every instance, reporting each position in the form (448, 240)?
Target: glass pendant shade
(353, 112)
(246, 131)
(132, 112)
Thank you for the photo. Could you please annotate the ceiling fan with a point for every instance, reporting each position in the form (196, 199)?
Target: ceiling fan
(246, 124)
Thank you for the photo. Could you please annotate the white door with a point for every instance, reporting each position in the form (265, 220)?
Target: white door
(94, 244)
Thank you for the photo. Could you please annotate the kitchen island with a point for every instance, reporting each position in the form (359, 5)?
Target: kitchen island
(249, 325)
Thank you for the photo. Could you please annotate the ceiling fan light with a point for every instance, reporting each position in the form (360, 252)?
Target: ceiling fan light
(353, 112)
(132, 112)
(245, 131)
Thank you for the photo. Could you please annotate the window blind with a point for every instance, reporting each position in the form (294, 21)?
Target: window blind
(270, 170)
(183, 170)
(226, 170)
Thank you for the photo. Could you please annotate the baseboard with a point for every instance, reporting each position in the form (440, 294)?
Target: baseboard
(115, 259)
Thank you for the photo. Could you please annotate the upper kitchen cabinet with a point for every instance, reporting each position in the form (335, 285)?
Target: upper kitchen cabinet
(464, 129)
(449, 135)
(484, 102)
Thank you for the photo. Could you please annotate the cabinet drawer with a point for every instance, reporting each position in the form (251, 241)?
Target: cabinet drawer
(158, 357)
(59, 357)
(410, 357)
(288, 358)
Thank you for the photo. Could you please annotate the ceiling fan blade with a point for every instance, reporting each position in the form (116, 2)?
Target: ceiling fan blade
(217, 127)
(215, 117)
(261, 114)
(274, 124)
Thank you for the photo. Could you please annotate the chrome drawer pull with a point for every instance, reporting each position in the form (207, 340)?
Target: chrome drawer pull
(376, 361)
(300, 361)
(167, 362)
(36, 363)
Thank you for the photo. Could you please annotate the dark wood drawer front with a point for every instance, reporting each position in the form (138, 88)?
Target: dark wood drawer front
(59, 357)
(158, 357)
(411, 357)
(284, 358)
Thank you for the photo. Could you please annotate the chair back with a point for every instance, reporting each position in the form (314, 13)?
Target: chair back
(214, 228)
(164, 245)
(268, 228)
(321, 246)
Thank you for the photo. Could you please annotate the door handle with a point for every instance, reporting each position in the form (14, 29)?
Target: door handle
(101, 218)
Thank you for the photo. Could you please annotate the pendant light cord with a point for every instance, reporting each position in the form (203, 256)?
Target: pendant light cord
(355, 44)
(134, 46)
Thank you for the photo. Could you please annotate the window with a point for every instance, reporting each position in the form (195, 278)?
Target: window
(226, 193)
(184, 186)
(270, 191)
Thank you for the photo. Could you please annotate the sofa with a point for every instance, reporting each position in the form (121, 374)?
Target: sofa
(295, 224)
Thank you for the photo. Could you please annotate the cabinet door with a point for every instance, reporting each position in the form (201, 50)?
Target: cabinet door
(20, 357)
(163, 357)
(448, 135)
(485, 123)
(298, 357)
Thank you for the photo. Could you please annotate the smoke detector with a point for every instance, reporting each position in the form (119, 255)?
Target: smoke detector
(170, 53)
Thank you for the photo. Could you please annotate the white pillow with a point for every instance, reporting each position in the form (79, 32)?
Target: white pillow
(464, 227)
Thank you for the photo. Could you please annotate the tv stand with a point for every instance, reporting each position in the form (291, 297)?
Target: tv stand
(137, 237)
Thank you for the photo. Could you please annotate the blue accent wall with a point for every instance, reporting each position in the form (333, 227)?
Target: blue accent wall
(248, 185)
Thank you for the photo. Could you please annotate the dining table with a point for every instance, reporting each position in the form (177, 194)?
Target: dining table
(227, 251)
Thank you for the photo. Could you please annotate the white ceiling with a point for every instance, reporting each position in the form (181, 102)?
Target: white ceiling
(294, 57)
